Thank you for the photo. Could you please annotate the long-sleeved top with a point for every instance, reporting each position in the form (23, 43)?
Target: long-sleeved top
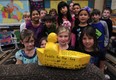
(102, 33)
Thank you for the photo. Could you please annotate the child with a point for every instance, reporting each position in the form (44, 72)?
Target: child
(26, 16)
(53, 13)
(28, 54)
(106, 17)
(64, 16)
(83, 17)
(36, 26)
(88, 44)
(49, 24)
(76, 9)
(101, 28)
(43, 12)
(64, 38)
(71, 8)
(43, 42)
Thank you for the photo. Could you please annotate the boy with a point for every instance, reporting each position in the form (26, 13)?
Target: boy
(49, 24)
(76, 9)
(43, 12)
(101, 29)
(26, 16)
(106, 17)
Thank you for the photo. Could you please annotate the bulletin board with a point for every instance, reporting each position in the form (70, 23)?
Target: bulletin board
(36, 4)
(11, 11)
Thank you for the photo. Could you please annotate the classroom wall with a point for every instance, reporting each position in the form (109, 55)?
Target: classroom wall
(11, 11)
(83, 3)
(54, 3)
(99, 4)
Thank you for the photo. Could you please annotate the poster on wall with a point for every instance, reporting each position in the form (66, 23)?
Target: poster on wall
(36, 4)
(11, 11)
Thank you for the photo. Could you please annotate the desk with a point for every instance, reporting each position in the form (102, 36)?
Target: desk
(36, 72)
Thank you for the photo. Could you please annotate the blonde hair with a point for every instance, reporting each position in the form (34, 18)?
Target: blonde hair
(62, 29)
(26, 13)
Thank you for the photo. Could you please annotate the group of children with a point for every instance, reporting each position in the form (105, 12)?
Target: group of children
(78, 29)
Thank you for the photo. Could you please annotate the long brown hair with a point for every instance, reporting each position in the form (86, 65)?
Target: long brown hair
(89, 31)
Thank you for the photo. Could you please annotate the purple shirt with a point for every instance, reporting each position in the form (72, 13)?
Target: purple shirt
(38, 32)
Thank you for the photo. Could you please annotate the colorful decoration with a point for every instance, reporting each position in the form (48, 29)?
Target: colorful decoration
(12, 11)
(52, 56)
(36, 4)
(5, 38)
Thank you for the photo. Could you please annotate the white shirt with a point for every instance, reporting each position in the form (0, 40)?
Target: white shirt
(22, 26)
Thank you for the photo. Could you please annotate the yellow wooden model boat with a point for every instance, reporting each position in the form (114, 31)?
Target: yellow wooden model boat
(52, 56)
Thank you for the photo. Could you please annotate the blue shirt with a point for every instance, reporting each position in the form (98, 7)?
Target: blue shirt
(100, 31)
(26, 59)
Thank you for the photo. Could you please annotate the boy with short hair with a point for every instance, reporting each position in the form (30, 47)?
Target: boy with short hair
(26, 17)
(49, 24)
(101, 29)
(106, 17)
(43, 12)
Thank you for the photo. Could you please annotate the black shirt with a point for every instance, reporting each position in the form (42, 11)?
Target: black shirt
(77, 31)
(110, 28)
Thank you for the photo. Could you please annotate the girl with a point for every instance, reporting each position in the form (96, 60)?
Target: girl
(88, 44)
(63, 34)
(43, 42)
(35, 26)
(28, 54)
(83, 17)
(71, 8)
(64, 16)
(53, 12)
